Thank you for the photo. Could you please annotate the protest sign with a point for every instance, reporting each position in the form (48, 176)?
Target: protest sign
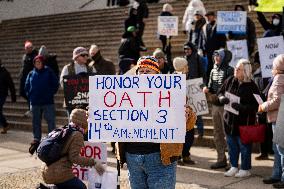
(144, 108)
(106, 181)
(76, 90)
(269, 6)
(168, 25)
(233, 98)
(97, 151)
(234, 21)
(196, 98)
(239, 50)
(269, 48)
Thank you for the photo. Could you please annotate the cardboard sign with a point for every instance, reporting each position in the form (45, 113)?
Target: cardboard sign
(97, 151)
(233, 98)
(269, 48)
(76, 90)
(168, 25)
(239, 50)
(234, 21)
(196, 98)
(145, 108)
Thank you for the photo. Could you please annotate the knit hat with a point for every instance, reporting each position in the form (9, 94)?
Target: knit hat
(28, 44)
(158, 53)
(148, 62)
(221, 53)
(39, 57)
(278, 62)
(180, 64)
(79, 51)
(79, 118)
(131, 29)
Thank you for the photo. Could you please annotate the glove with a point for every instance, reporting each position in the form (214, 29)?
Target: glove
(224, 100)
(236, 106)
(99, 168)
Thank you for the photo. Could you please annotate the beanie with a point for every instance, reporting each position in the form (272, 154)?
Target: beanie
(131, 29)
(39, 57)
(79, 118)
(148, 62)
(79, 51)
(158, 53)
(180, 64)
(278, 62)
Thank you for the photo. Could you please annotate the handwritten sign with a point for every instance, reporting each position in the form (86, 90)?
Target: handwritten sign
(233, 98)
(269, 48)
(145, 108)
(196, 98)
(239, 50)
(76, 90)
(234, 21)
(97, 151)
(168, 25)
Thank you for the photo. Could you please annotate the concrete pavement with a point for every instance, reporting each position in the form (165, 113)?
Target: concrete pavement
(19, 170)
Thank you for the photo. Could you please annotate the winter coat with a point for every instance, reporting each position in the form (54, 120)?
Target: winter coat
(61, 170)
(248, 104)
(102, 66)
(195, 32)
(271, 106)
(131, 20)
(52, 63)
(270, 29)
(41, 86)
(6, 83)
(142, 10)
(27, 66)
(279, 130)
(129, 47)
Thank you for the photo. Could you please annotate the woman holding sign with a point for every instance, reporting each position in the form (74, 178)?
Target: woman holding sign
(242, 87)
(152, 165)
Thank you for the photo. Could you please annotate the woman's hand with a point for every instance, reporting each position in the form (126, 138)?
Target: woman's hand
(260, 109)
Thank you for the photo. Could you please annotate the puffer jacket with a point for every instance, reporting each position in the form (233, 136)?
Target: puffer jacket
(170, 152)
(271, 106)
(61, 170)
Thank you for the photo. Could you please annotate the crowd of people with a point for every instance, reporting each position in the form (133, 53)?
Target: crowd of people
(153, 165)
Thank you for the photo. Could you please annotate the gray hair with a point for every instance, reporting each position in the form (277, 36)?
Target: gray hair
(94, 48)
(247, 69)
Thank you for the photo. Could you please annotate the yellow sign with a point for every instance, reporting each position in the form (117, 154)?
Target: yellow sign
(270, 5)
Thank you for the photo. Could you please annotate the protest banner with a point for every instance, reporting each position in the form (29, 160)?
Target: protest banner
(196, 98)
(97, 151)
(168, 25)
(269, 48)
(233, 98)
(239, 50)
(233, 21)
(144, 108)
(269, 6)
(76, 90)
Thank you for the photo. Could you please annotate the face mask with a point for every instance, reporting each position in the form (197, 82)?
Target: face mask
(276, 22)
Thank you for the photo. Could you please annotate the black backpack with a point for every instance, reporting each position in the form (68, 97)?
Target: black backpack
(50, 147)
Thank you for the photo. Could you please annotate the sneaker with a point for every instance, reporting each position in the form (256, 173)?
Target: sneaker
(270, 180)
(279, 184)
(243, 173)
(28, 113)
(218, 165)
(232, 172)
(187, 160)
(262, 157)
(5, 129)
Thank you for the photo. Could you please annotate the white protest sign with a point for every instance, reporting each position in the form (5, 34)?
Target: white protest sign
(233, 98)
(258, 99)
(145, 108)
(239, 50)
(106, 181)
(234, 21)
(168, 25)
(269, 48)
(196, 98)
(97, 151)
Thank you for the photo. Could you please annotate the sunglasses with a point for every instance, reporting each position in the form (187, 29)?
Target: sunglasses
(84, 55)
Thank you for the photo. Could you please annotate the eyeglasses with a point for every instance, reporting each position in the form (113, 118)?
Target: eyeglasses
(84, 55)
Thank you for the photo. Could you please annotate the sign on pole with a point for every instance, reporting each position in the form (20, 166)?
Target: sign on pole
(76, 90)
(269, 48)
(168, 25)
(145, 108)
(196, 99)
(239, 50)
(234, 21)
(97, 151)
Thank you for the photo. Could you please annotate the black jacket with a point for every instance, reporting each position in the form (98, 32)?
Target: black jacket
(248, 104)
(52, 63)
(6, 83)
(102, 66)
(270, 29)
(129, 47)
(131, 20)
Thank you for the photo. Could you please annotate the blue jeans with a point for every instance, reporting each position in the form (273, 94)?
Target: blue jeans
(49, 115)
(276, 171)
(73, 183)
(235, 147)
(199, 124)
(281, 152)
(147, 172)
(3, 121)
(189, 139)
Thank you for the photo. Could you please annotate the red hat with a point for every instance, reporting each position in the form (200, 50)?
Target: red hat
(40, 58)
(28, 44)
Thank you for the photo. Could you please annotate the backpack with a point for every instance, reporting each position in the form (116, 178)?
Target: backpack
(50, 147)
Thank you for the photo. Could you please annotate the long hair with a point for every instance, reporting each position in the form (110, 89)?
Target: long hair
(247, 69)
